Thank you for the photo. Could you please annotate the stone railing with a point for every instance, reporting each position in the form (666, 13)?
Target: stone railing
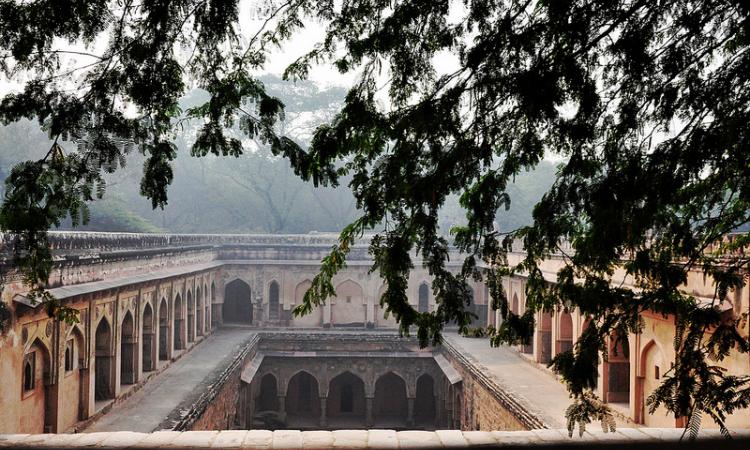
(664, 438)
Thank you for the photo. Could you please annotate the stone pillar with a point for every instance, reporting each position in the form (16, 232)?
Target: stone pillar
(368, 411)
(327, 314)
(323, 418)
(410, 414)
(282, 403)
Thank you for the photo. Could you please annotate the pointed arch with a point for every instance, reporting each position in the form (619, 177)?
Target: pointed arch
(424, 403)
(35, 374)
(346, 399)
(423, 304)
(390, 404)
(302, 399)
(650, 371)
(163, 329)
(103, 344)
(178, 324)
(190, 316)
(73, 382)
(128, 355)
(237, 307)
(147, 338)
(348, 309)
(273, 300)
(315, 317)
(268, 399)
(199, 309)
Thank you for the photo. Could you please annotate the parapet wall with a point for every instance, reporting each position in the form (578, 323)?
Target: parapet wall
(661, 438)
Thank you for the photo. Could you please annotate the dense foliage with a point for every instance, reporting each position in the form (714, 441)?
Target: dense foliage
(646, 101)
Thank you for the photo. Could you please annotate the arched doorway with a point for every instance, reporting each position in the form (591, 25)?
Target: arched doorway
(103, 361)
(424, 404)
(424, 298)
(73, 383)
(651, 370)
(346, 401)
(36, 367)
(302, 401)
(544, 338)
(238, 307)
(147, 338)
(565, 337)
(190, 317)
(273, 301)
(213, 315)
(348, 309)
(315, 317)
(199, 310)
(178, 325)
(390, 407)
(163, 330)
(127, 350)
(268, 398)
(514, 305)
(617, 372)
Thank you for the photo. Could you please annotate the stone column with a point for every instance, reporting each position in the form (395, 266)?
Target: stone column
(327, 314)
(282, 404)
(323, 418)
(410, 414)
(368, 411)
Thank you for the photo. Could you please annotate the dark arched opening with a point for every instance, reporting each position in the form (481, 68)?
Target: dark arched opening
(190, 317)
(424, 295)
(565, 339)
(424, 404)
(238, 307)
(268, 399)
(147, 339)
(179, 324)
(302, 401)
(103, 361)
(390, 404)
(273, 301)
(199, 311)
(127, 350)
(346, 401)
(163, 330)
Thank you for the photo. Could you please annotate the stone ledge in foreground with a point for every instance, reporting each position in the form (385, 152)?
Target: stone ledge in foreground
(369, 439)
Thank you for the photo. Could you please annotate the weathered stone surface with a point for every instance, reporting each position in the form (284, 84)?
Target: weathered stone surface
(259, 439)
(158, 439)
(229, 439)
(453, 438)
(123, 439)
(382, 439)
(418, 439)
(287, 439)
(317, 440)
(350, 439)
(479, 438)
(514, 437)
(194, 439)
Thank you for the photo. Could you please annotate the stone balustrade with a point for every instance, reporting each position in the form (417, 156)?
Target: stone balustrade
(665, 438)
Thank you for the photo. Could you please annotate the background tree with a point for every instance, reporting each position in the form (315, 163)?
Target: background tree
(647, 102)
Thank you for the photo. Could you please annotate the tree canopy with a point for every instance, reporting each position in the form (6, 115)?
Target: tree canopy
(646, 102)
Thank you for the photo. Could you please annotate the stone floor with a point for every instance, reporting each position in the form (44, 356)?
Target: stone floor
(146, 409)
(537, 385)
